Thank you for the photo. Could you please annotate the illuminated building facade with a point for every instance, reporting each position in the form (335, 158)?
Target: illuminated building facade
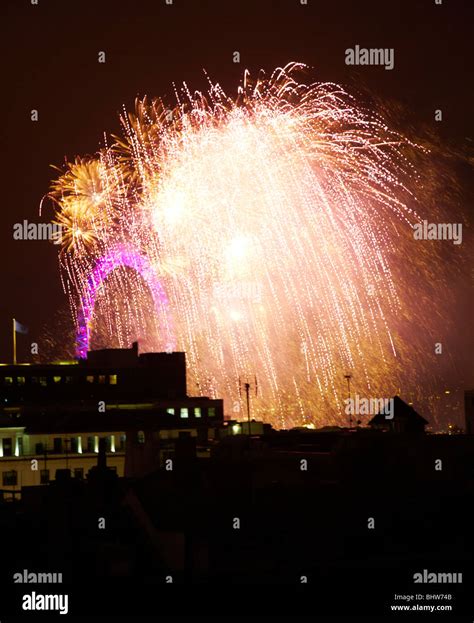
(53, 416)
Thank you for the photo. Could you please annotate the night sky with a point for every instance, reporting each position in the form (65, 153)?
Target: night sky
(50, 63)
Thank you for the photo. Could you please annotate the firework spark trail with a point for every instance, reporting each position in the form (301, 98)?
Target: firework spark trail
(293, 189)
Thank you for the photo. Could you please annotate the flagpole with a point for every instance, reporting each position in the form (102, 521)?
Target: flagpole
(14, 342)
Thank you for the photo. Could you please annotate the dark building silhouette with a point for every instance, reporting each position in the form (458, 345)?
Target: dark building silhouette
(469, 411)
(405, 419)
(60, 414)
(116, 374)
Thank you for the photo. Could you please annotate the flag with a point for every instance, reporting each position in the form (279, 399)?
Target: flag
(20, 328)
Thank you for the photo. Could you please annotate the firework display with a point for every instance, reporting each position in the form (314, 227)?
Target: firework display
(257, 234)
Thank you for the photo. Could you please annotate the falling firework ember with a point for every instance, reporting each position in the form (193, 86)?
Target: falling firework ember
(256, 234)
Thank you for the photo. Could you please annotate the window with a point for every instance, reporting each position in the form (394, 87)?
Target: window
(43, 380)
(19, 446)
(34, 380)
(44, 476)
(170, 411)
(57, 445)
(90, 444)
(8, 380)
(10, 479)
(123, 439)
(211, 412)
(20, 380)
(69, 379)
(39, 448)
(74, 444)
(197, 411)
(62, 473)
(57, 379)
(110, 443)
(90, 379)
(141, 436)
(102, 379)
(183, 412)
(113, 379)
(79, 473)
(7, 446)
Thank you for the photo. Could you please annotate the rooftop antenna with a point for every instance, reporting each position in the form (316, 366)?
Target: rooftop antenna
(247, 387)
